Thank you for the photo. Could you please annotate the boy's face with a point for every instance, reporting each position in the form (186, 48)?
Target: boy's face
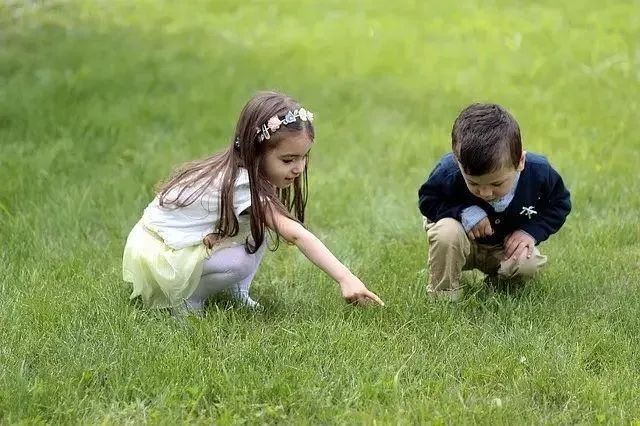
(494, 185)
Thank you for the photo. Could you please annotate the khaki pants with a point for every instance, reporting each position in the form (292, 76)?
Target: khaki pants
(451, 252)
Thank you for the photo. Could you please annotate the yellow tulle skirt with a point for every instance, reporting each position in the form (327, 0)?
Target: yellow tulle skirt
(163, 277)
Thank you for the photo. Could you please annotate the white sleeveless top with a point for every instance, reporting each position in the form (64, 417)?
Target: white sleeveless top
(181, 227)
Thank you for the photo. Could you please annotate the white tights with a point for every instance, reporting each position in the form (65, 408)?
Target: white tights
(228, 269)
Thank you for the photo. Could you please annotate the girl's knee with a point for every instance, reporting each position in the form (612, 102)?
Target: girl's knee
(232, 261)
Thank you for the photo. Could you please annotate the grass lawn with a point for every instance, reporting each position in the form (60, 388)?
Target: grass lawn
(99, 100)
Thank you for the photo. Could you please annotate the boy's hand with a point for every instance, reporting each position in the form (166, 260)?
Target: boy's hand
(518, 244)
(481, 229)
(356, 293)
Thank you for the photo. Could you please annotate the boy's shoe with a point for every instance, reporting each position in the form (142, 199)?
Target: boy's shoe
(453, 295)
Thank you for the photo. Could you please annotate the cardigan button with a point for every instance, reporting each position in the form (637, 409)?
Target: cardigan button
(497, 221)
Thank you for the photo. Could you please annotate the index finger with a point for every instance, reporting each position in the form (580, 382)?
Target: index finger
(371, 295)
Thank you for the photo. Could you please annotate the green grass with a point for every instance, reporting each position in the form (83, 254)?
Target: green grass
(99, 100)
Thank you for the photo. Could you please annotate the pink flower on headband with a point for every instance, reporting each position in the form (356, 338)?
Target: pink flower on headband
(274, 123)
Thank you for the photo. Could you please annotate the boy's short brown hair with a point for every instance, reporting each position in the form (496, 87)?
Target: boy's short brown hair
(486, 137)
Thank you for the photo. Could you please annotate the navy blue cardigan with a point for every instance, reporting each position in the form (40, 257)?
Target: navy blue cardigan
(539, 207)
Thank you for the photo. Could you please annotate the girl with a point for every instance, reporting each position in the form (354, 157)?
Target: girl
(205, 230)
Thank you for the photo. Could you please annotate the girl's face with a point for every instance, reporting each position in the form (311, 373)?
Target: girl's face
(494, 185)
(286, 161)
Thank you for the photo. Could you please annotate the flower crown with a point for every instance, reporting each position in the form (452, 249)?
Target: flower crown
(266, 130)
(269, 128)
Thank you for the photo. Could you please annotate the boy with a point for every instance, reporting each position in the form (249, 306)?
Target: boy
(489, 203)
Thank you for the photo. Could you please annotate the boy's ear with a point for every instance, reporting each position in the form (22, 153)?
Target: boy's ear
(522, 161)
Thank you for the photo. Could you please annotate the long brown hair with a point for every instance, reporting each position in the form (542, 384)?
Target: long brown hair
(245, 150)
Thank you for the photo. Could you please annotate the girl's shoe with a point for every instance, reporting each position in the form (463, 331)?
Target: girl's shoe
(242, 298)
